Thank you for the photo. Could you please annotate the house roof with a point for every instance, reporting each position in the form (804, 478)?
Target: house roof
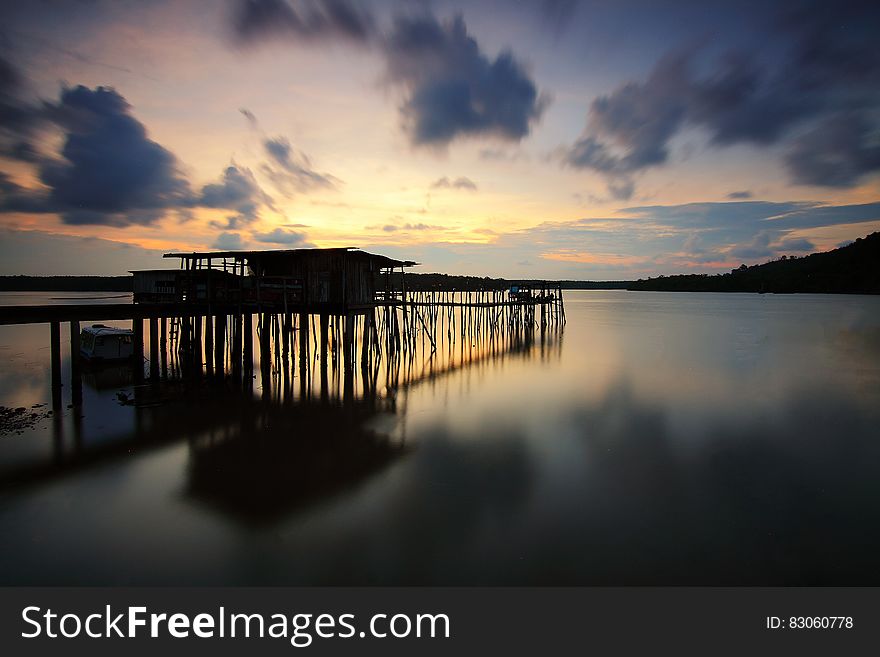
(381, 260)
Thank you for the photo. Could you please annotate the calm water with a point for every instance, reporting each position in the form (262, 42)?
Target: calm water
(661, 439)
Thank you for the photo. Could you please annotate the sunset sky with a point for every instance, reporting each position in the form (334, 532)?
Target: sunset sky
(542, 139)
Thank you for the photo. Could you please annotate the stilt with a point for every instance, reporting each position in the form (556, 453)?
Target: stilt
(209, 344)
(220, 345)
(154, 349)
(75, 363)
(137, 327)
(163, 345)
(248, 334)
(55, 363)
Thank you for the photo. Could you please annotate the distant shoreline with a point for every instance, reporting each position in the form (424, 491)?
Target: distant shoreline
(414, 281)
(65, 284)
(850, 269)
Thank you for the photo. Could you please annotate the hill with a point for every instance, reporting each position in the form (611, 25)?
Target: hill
(851, 269)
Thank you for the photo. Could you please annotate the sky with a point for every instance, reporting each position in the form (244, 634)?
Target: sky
(534, 139)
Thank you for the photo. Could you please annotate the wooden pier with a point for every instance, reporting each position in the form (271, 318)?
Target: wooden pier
(324, 309)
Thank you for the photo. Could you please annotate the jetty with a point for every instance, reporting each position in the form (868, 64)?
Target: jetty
(306, 308)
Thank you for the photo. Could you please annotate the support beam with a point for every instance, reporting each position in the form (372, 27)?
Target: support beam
(75, 366)
(248, 334)
(137, 327)
(209, 344)
(219, 344)
(163, 345)
(154, 349)
(55, 362)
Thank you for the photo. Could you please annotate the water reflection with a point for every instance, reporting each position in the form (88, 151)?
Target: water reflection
(689, 439)
(263, 444)
(271, 460)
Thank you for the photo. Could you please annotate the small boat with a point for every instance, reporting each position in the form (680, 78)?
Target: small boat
(103, 343)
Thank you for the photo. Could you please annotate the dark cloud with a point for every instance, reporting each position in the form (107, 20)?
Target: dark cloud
(837, 152)
(452, 88)
(290, 169)
(282, 236)
(740, 195)
(251, 118)
(20, 119)
(459, 183)
(109, 170)
(629, 129)
(255, 20)
(825, 75)
(237, 190)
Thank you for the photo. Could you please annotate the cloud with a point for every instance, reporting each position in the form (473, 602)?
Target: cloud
(251, 118)
(290, 169)
(453, 89)
(282, 236)
(459, 183)
(255, 20)
(237, 190)
(821, 82)
(629, 129)
(108, 171)
(228, 242)
(501, 155)
(836, 153)
(740, 195)
(393, 228)
(19, 120)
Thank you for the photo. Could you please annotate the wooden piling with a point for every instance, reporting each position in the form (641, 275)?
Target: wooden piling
(209, 344)
(220, 345)
(154, 349)
(137, 327)
(248, 334)
(75, 362)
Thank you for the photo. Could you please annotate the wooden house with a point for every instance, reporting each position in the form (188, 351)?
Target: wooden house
(334, 281)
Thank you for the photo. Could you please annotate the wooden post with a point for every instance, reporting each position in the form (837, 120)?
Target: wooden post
(209, 342)
(219, 344)
(154, 349)
(365, 339)
(236, 346)
(55, 362)
(303, 341)
(324, 321)
(248, 331)
(348, 341)
(163, 322)
(137, 327)
(265, 357)
(197, 342)
(75, 378)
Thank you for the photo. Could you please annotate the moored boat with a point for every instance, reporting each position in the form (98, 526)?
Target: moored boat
(104, 343)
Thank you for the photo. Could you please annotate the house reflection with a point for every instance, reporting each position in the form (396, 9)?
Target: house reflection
(279, 458)
(261, 446)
